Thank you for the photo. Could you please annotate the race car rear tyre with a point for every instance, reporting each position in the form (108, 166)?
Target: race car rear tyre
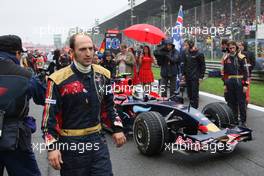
(219, 113)
(150, 133)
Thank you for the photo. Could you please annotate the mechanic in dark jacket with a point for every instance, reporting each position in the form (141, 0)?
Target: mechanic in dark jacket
(251, 61)
(224, 48)
(168, 59)
(225, 52)
(72, 114)
(250, 56)
(236, 81)
(17, 86)
(56, 58)
(109, 63)
(194, 69)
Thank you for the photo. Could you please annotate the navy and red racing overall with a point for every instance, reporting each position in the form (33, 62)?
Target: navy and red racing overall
(72, 117)
(235, 76)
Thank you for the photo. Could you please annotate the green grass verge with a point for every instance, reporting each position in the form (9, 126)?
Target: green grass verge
(215, 86)
(257, 93)
(156, 72)
(212, 85)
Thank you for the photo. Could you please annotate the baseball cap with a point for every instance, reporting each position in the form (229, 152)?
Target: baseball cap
(11, 43)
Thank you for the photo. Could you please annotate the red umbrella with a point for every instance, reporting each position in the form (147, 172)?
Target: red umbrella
(145, 33)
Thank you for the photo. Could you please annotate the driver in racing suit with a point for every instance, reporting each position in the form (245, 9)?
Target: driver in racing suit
(72, 114)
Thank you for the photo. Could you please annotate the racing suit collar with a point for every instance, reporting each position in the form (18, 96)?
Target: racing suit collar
(81, 68)
(233, 55)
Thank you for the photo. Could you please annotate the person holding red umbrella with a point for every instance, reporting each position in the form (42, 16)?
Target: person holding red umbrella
(145, 72)
(145, 33)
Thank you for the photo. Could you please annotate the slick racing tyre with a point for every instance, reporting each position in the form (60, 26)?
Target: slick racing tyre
(219, 113)
(150, 133)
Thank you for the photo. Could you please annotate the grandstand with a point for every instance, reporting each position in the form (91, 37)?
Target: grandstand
(197, 13)
(150, 11)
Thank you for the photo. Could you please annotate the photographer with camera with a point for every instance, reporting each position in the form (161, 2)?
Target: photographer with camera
(168, 58)
(17, 86)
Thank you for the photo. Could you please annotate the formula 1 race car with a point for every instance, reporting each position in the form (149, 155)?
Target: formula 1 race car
(158, 123)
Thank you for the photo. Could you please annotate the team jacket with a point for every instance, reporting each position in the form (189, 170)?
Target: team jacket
(194, 65)
(36, 89)
(17, 87)
(73, 101)
(111, 66)
(233, 66)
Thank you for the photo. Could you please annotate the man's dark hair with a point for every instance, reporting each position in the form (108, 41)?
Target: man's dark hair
(224, 41)
(72, 39)
(56, 53)
(190, 43)
(232, 43)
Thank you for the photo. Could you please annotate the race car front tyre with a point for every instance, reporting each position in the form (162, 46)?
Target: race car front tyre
(150, 133)
(219, 113)
(229, 112)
